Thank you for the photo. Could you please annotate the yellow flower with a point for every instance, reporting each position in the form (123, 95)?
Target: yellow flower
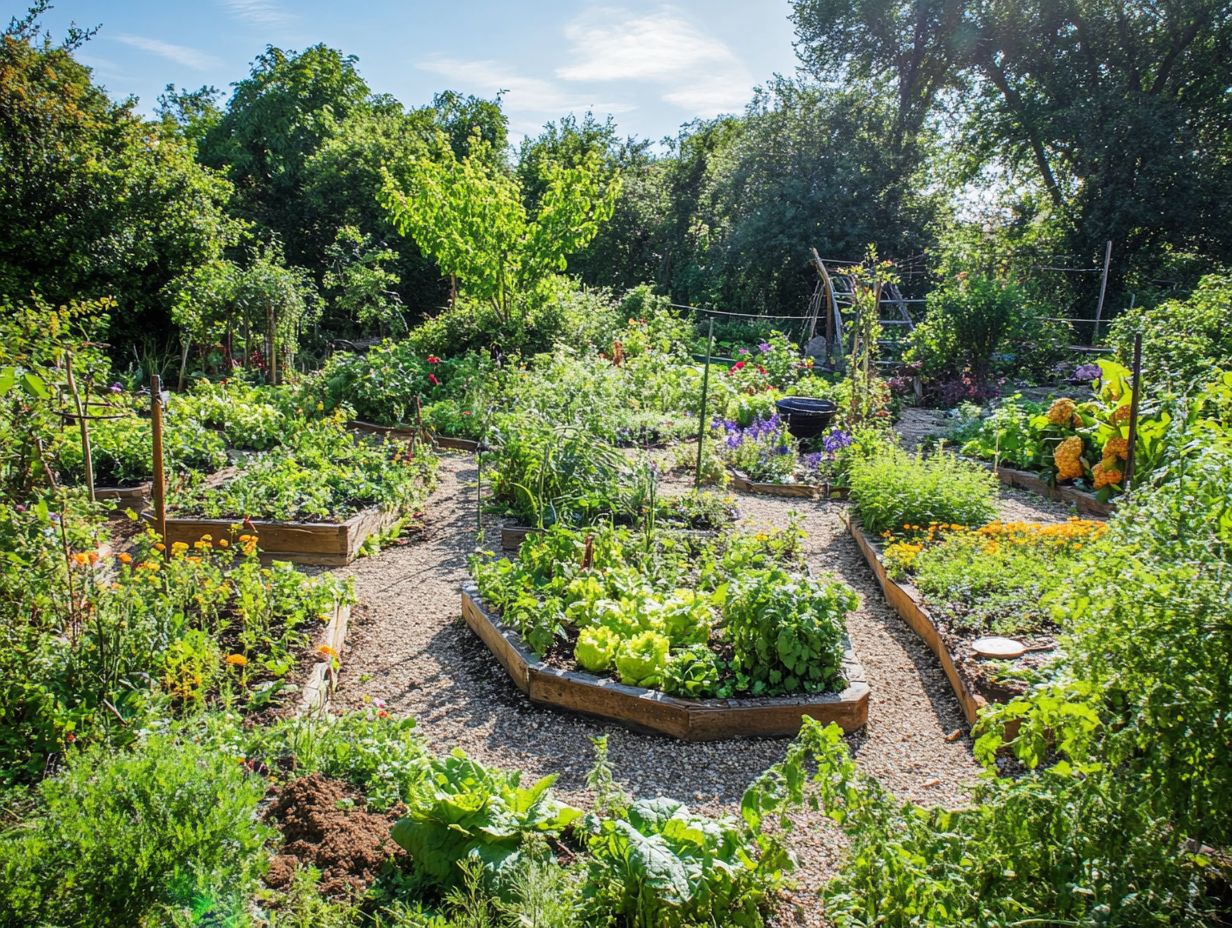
(223, 543)
(178, 547)
(1116, 447)
(1061, 412)
(237, 660)
(326, 651)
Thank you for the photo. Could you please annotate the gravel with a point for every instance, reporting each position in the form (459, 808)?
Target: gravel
(409, 647)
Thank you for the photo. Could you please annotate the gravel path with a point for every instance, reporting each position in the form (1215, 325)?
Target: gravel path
(409, 647)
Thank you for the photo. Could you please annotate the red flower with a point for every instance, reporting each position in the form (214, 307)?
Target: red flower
(435, 382)
(433, 359)
(760, 369)
(739, 365)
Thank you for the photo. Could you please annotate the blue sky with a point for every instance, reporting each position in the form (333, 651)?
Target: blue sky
(651, 65)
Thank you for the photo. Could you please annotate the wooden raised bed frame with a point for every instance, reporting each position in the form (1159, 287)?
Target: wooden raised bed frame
(325, 544)
(1086, 503)
(905, 603)
(649, 710)
(741, 483)
(409, 434)
(324, 674)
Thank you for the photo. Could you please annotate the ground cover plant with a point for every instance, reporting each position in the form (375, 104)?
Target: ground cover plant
(322, 473)
(895, 491)
(735, 615)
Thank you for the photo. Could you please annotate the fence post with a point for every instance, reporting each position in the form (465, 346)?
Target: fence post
(1103, 288)
(701, 413)
(160, 477)
(1133, 410)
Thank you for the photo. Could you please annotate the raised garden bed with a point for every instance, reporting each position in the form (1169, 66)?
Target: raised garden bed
(409, 434)
(650, 710)
(324, 544)
(134, 497)
(906, 603)
(324, 674)
(1086, 503)
(741, 483)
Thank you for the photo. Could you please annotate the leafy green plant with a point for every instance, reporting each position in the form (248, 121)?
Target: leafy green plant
(892, 489)
(462, 810)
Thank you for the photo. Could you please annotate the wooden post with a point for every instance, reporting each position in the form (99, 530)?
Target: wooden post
(1133, 411)
(1103, 288)
(160, 478)
(87, 458)
(701, 412)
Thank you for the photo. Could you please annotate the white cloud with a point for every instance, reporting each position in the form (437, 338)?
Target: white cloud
(523, 93)
(258, 12)
(180, 54)
(695, 70)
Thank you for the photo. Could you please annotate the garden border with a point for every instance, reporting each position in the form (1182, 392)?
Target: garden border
(1086, 503)
(323, 677)
(911, 610)
(125, 497)
(323, 544)
(410, 434)
(649, 710)
(742, 484)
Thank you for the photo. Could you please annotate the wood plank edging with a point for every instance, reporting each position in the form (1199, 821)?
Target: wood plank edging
(741, 483)
(649, 710)
(1084, 502)
(912, 611)
(324, 674)
(404, 433)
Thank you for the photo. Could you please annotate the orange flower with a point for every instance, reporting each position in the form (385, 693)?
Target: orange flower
(326, 651)
(223, 543)
(159, 546)
(237, 660)
(126, 558)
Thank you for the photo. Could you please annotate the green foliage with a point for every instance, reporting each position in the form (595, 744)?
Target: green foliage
(982, 326)
(462, 810)
(135, 838)
(1182, 340)
(641, 658)
(892, 489)
(469, 216)
(322, 473)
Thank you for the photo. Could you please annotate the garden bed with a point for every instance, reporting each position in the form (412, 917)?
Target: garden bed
(741, 483)
(323, 676)
(410, 434)
(649, 710)
(323, 544)
(907, 604)
(1086, 503)
(125, 497)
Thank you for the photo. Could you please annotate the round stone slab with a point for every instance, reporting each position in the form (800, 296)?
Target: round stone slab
(996, 646)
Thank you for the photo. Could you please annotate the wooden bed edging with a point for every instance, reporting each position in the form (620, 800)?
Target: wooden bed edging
(325, 544)
(324, 674)
(905, 603)
(1086, 503)
(512, 535)
(649, 710)
(125, 497)
(743, 484)
(407, 434)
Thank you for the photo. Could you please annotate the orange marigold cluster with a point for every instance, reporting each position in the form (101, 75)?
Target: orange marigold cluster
(1068, 458)
(1106, 473)
(1062, 412)
(1120, 415)
(1116, 447)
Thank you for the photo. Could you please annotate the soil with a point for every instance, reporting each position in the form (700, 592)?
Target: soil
(324, 825)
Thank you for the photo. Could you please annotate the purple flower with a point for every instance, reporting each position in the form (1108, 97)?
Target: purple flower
(116, 387)
(1087, 372)
(836, 441)
(764, 347)
(744, 351)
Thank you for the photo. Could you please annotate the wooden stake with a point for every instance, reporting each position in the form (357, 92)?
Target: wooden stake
(160, 477)
(701, 413)
(1133, 410)
(87, 458)
(1103, 288)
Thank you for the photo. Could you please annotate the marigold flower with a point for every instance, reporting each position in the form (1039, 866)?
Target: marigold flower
(159, 546)
(237, 660)
(1120, 415)
(223, 543)
(1061, 412)
(179, 547)
(326, 651)
(1116, 447)
(125, 558)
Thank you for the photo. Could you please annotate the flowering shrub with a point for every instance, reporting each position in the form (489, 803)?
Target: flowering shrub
(763, 451)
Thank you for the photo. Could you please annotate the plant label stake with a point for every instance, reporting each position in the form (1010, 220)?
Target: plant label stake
(701, 412)
(160, 478)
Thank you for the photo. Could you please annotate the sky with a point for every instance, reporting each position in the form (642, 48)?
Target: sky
(653, 66)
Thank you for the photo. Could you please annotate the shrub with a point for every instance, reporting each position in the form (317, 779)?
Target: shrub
(980, 325)
(892, 489)
(1182, 340)
(121, 837)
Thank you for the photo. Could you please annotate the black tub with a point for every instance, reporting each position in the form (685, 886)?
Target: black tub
(806, 417)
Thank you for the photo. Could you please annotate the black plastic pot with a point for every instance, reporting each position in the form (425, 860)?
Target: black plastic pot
(806, 417)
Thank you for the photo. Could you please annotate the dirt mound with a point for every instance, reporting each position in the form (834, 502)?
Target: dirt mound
(324, 825)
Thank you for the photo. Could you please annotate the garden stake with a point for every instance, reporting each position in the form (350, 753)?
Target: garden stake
(1133, 410)
(87, 458)
(701, 413)
(160, 480)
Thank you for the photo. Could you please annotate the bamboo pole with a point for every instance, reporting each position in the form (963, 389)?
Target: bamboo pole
(160, 477)
(87, 457)
(701, 412)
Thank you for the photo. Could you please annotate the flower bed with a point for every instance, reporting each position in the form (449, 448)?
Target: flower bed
(763, 458)
(733, 616)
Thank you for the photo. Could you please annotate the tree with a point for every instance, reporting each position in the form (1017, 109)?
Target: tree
(470, 217)
(360, 283)
(94, 201)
